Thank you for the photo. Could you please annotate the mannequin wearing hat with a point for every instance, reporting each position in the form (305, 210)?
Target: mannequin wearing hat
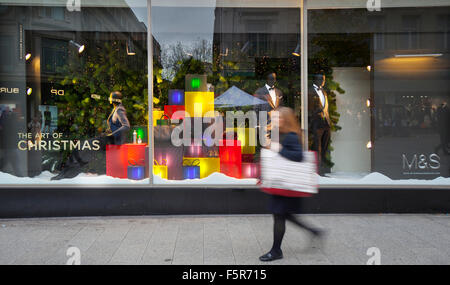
(116, 134)
(118, 124)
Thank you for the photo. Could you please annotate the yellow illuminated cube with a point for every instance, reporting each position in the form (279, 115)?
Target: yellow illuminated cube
(160, 170)
(197, 104)
(157, 114)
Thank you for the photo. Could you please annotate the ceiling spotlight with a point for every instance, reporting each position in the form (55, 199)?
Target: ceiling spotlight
(369, 68)
(78, 46)
(245, 47)
(296, 52)
(27, 56)
(419, 55)
(29, 91)
(130, 47)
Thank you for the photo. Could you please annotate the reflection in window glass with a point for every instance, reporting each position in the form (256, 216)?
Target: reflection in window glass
(382, 112)
(73, 101)
(220, 59)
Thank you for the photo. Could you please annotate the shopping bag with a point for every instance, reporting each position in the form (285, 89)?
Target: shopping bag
(163, 129)
(284, 177)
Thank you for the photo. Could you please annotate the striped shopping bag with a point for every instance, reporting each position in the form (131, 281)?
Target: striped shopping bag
(284, 177)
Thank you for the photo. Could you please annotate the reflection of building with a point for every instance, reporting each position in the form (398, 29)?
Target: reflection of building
(250, 35)
(407, 51)
(44, 33)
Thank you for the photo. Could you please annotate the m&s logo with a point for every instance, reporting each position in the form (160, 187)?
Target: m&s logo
(421, 162)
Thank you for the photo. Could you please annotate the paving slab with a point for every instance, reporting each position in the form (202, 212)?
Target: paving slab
(225, 240)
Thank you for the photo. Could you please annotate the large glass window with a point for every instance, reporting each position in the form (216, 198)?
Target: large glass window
(73, 92)
(215, 59)
(379, 92)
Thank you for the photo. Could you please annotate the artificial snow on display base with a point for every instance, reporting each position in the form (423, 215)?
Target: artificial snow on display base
(376, 178)
(86, 178)
(214, 179)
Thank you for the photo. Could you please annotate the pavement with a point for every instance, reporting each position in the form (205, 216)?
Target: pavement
(225, 240)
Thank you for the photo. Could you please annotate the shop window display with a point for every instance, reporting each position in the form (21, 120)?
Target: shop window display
(381, 116)
(220, 61)
(75, 104)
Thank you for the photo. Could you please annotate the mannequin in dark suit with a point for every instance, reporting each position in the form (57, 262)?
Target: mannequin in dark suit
(269, 93)
(318, 117)
(272, 95)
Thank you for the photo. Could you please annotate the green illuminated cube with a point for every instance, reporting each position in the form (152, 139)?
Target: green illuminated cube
(196, 82)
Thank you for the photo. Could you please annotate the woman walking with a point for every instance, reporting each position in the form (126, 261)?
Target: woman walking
(283, 207)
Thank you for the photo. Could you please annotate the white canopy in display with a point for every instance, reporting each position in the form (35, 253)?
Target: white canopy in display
(235, 97)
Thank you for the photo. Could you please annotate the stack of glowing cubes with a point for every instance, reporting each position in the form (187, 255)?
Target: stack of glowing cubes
(198, 101)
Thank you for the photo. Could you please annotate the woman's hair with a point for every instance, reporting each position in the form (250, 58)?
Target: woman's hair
(116, 96)
(290, 122)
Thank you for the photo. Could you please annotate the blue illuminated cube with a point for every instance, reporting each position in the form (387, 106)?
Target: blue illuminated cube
(136, 172)
(176, 97)
(191, 172)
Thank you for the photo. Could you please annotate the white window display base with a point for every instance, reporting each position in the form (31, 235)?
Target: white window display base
(214, 179)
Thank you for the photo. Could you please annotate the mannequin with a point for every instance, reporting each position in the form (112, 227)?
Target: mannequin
(116, 134)
(269, 93)
(319, 117)
(118, 125)
(272, 95)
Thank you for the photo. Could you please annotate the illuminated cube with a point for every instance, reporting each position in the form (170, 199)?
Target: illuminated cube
(230, 158)
(176, 97)
(196, 82)
(208, 165)
(160, 169)
(157, 115)
(198, 104)
(250, 170)
(169, 110)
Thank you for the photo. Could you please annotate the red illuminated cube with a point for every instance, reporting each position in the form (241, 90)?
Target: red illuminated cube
(230, 158)
(116, 161)
(169, 110)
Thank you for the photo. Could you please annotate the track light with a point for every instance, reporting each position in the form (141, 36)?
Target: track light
(245, 47)
(29, 91)
(130, 47)
(418, 55)
(296, 52)
(78, 46)
(27, 56)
